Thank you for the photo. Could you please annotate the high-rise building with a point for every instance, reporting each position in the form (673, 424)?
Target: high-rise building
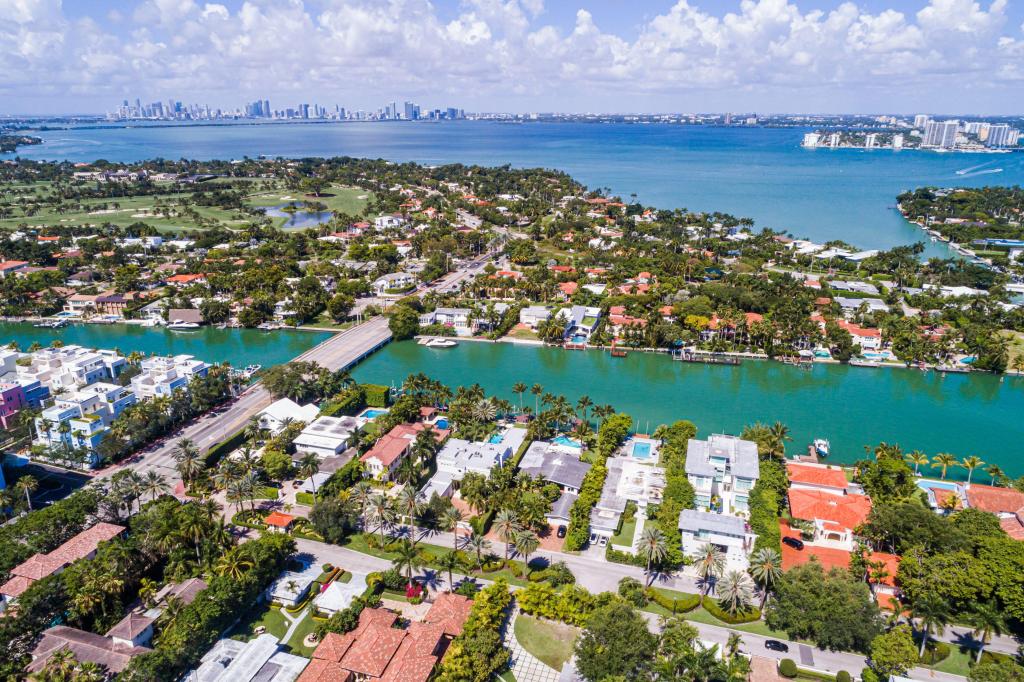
(941, 134)
(920, 121)
(998, 135)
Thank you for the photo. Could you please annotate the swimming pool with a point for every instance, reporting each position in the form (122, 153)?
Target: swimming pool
(373, 413)
(441, 423)
(969, 360)
(567, 443)
(496, 438)
(578, 338)
(641, 449)
(925, 484)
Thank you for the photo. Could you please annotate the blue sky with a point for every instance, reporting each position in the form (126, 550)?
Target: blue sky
(943, 56)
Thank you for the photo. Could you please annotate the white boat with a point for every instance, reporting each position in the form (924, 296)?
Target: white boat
(821, 446)
(441, 343)
(863, 362)
(178, 325)
(957, 369)
(152, 322)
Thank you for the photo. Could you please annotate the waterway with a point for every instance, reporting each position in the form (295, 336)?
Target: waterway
(759, 173)
(240, 347)
(851, 406)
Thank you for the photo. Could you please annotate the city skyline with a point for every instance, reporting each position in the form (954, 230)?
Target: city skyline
(519, 56)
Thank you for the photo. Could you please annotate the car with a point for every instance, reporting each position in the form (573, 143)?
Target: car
(561, 531)
(793, 542)
(776, 645)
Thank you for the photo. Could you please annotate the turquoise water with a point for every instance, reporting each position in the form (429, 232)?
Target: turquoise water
(853, 407)
(566, 442)
(240, 347)
(641, 450)
(496, 439)
(760, 173)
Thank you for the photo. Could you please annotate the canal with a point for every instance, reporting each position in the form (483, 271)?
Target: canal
(240, 347)
(853, 407)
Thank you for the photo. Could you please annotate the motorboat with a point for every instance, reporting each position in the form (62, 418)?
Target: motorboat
(821, 447)
(864, 362)
(179, 325)
(152, 322)
(441, 343)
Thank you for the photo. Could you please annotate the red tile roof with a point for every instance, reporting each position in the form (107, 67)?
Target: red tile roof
(1014, 525)
(831, 557)
(996, 500)
(373, 650)
(848, 511)
(279, 519)
(393, 445)
(810, 474)
(321, 670)
(449, 611)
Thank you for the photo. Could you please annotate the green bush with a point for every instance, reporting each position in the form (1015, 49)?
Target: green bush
(712, 606)
(327, 568)
(843, 676)
(676, 605)
(218, 451)
(376, 395)
(935, 652)
(869, 675)
(787, 668)
(348, 402)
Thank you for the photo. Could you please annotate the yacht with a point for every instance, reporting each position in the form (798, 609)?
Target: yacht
(178, 325)
(821, 446)
(864, 362)
(441, 343)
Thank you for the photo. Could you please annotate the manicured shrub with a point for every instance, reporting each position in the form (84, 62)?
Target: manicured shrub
(843, 676)
(712, 606)
(787, 668)
(376, 395)
(327, 568)
(682, 604)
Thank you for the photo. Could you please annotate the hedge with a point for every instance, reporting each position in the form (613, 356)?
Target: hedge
(712, 606)
(348, 403)
(687, 603)
(843, 676)
(214, 454)
(376, 395)
(787, 668)
(578, 533)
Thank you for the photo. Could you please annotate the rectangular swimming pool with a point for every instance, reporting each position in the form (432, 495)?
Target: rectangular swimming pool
(641, 449)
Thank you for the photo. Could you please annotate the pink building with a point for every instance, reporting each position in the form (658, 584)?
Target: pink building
(12, 400)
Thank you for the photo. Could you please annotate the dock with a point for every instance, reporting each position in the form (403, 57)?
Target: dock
(705, 357)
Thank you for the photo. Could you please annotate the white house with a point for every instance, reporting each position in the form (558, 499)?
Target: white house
(458, 319)
(385, 222)
(284, 411)
(533, 315)
(394, 284)
(459, 457)
(627, 481)
(730, 534)
(328, 436)
(722, 470)
(291, 587)
(579, 320)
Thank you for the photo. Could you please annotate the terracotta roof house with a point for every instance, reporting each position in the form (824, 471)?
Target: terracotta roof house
(834, 516)
(1014, 524)
(39, 566)
(86, 646)
(817, 477)
(279, 522)
(993, 499)
(389, 450)
(186, 279)
(378, 651)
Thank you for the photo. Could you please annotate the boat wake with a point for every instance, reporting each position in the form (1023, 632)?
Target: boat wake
(983, 172)
(965, 171)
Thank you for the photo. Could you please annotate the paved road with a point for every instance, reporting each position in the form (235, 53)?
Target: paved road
(339, 351)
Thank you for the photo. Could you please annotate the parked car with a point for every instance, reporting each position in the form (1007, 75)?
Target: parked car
(793, 542)
(776, 645)
(561, 531)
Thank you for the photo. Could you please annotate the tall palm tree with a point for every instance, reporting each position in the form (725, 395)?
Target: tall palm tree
(996, 472)
(154, 484)
(189, 464)
(653, 548)
(233, 565)
(479, 544)
(449, 561)
(779, 435)
(361, 494)
(309, 466)
(766, 569)
(26, 485)
(381, 513)
(450, 521)
(735, 591)
(506, 525)
(932, 615)
(943, 461)
(519, 388)
(407, 558)
(971, 463)
(527, 543)
(408, 504)
(537, 390)
(710, 564)
(918, 459)
(583, 404)
(987, 620)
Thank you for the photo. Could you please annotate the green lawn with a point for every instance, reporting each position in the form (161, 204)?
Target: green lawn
(259, 614)
(507, 676)
(266, 492)
(759, 627)
(1016, 346)
(305, 627)
(625, 535)
(550, 642)
(525, 334)
(304, 498)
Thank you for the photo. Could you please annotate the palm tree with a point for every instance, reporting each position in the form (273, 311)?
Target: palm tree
(27, 485)
(779, 433)
(996, 472)
(449, 561)
(710, 564)
(943, 461)
(479, 544)
(189, 464)
(527, 543)
(918, 459)
(519, 388)
(971, 463)
(652, 547)
(583, 404)
(381, 513)
(735, 590)
(361, 494)
(987, 620)
(506, 525)
(932, 614)
(407, 557)
(537, 390)
(409, 504)
(233, 565)
(766, 569)
(450, 521)
(309, 466)
(154, 484)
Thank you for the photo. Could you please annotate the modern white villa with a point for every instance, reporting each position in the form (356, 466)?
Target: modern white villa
(280, 413)
(580, 321)
(730, 534)
(628, 480)
(328, 436)
(722, 470)
(459, 319)
(459, 457)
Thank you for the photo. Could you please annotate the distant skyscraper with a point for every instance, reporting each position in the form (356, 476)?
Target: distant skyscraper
(921, 120)
(941, 134)
(998, 135)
